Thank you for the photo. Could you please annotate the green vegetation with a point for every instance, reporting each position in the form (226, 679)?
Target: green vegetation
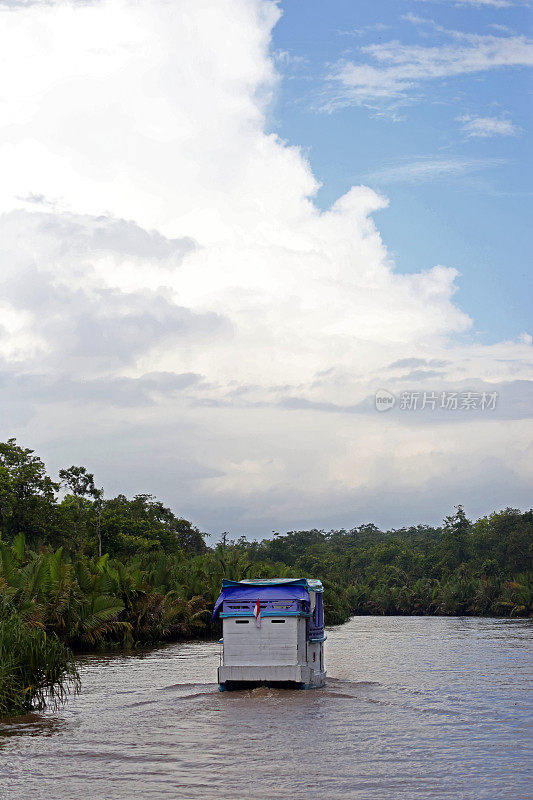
(480, 569)
(79, 571)
(34, 666)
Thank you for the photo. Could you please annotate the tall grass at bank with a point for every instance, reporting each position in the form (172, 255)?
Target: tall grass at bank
(36, 668)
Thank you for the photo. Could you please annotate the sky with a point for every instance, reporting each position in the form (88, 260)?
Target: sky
(269, 261)
(443, 132)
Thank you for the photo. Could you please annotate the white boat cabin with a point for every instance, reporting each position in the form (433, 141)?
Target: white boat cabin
(273, 632)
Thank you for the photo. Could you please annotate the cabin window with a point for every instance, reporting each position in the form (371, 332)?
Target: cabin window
(274, 621)
(242, 621)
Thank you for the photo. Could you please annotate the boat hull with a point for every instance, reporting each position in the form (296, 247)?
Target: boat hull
(300, 676)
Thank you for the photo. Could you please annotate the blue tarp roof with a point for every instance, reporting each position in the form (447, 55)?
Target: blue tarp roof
(268, 589)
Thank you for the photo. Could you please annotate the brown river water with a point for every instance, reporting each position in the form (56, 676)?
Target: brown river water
(414, 707)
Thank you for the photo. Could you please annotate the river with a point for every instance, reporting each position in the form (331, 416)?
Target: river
(415, 707)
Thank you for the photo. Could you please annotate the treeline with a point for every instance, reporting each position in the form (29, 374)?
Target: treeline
(481, 568)
(79, 570)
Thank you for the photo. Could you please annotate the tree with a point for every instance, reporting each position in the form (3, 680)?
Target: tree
(144, 525)
(98, 506)
(80, 485)
(455, 538)
(27, 494)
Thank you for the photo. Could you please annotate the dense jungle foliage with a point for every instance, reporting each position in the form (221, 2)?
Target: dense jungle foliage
(79, 570)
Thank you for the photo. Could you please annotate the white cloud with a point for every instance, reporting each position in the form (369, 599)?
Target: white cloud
(424, 169)
(179, 315)
(377, 26)
(502, 28)
(482, 3)
(399, 72)
(484, 127)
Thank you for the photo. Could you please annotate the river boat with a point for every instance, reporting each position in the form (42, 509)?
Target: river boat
(273, 633)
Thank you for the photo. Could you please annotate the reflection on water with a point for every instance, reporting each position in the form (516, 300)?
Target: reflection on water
(414, 707)
(30, 725)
